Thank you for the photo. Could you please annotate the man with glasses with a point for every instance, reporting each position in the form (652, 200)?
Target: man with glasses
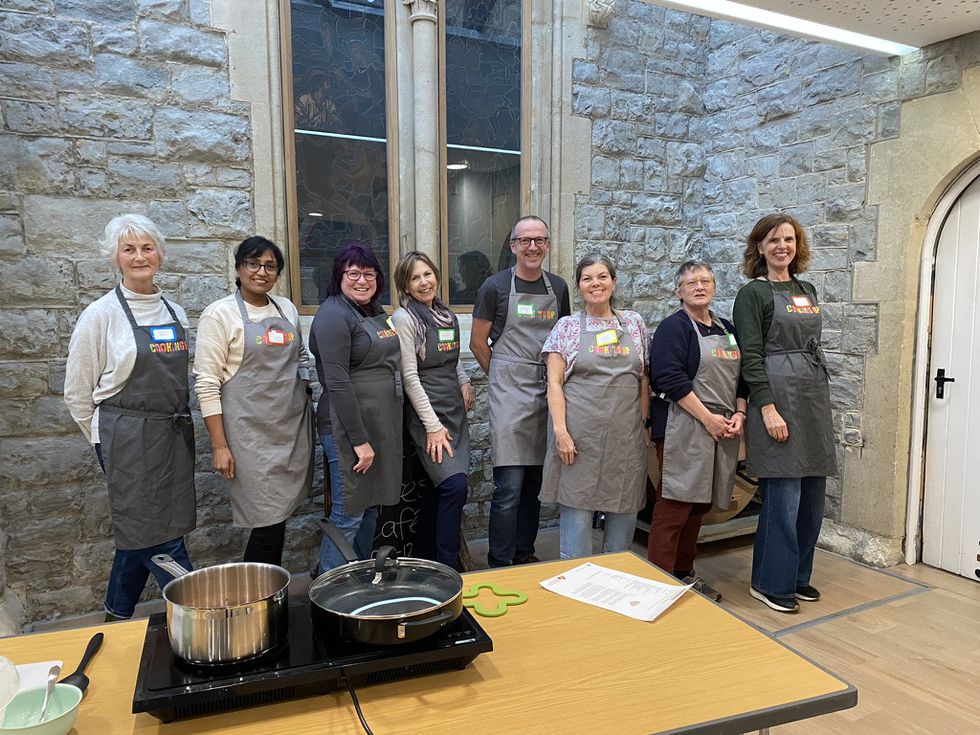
(514, 312)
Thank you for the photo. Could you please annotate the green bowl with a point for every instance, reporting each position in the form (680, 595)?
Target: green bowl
(21, 714)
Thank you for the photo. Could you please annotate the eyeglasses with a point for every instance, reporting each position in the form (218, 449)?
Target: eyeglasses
(253, 266)
(354, 276)
(525, 242)
(703, 282)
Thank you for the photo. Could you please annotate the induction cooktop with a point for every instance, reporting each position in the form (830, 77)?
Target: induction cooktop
(311, 662)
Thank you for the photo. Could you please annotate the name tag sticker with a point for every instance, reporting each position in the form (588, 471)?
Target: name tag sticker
(390, 323)
(447, 335)
(163, 334)
(607, 337)
(276, 337)
(731, 341)
(801, 301)
(525, 310)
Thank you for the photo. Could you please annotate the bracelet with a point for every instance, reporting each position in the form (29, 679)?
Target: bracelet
(741, 412)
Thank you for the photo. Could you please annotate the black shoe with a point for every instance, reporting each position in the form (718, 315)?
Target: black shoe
(698, 584)
(532, 559)
(779, 604)
(807, 593)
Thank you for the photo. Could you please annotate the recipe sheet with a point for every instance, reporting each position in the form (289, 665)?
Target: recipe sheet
(627, 594)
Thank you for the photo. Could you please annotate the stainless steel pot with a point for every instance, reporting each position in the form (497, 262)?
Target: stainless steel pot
(384, 601)
(226, 613)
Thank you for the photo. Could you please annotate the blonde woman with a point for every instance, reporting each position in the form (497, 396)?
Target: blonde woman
(440, 395)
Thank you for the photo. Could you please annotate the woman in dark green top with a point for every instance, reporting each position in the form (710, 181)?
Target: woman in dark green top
(789, 433)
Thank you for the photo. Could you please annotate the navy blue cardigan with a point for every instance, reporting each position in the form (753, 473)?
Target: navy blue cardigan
(674, 359)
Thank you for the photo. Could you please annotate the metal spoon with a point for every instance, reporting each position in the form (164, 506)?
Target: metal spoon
(77, 678)
(53, 674)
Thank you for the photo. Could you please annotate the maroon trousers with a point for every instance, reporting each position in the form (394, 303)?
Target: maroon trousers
(673, 540)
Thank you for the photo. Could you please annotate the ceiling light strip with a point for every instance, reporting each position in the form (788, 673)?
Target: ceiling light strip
(726, 10)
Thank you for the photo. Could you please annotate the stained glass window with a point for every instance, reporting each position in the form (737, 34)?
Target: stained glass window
(340, 133)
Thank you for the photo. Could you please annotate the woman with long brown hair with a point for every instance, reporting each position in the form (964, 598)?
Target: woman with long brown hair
(789, 432)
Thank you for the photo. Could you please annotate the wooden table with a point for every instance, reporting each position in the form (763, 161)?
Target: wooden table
(558, 666)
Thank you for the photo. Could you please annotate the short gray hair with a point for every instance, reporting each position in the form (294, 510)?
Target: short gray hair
(687, 267)
(126, 226)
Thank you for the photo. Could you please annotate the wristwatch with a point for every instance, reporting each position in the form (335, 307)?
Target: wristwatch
(647, 423)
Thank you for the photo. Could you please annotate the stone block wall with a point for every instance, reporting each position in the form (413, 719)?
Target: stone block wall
(107, 107)
(735, 123)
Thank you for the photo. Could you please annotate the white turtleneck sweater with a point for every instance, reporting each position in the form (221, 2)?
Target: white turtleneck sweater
(102, 352)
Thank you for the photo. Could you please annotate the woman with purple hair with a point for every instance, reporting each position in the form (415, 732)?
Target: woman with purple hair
(359, 416)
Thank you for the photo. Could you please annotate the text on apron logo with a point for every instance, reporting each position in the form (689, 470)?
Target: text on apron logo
(178, 345)
(610, 350)
(386, 333)
(447, 346)
(726, 354)
(275, 338)
(532, 312)
(802, 309)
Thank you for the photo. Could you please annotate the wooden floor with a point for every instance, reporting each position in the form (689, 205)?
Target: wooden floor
(908, 637)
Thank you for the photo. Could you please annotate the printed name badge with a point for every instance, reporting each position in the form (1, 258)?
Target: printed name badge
(731, 341)
(801, 301)
(447, 335)
(608, 337)
(525, 310)
(276, 337)
(391, 324)
(163, 334)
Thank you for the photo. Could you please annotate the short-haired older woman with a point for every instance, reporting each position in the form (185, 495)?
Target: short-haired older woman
(696, 418)
(126, 385)
(789, 433)
(598, 401)
(440, 395)
(252, 381)
(359, 416)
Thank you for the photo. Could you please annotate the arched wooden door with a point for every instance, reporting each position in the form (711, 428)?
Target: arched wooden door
(951, 510)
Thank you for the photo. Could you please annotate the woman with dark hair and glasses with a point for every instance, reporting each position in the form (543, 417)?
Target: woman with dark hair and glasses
(253, 384)
(359, 416)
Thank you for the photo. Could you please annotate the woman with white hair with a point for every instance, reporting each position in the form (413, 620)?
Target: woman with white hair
(126, 384)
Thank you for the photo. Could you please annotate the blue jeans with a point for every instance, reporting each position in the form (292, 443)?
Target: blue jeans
(575, 532)
(439, 521)
(514, 513)
(132, 567)
(358, 528)
(789, 525)
(130, 570)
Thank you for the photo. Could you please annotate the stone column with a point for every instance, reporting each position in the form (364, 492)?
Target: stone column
(425, 52)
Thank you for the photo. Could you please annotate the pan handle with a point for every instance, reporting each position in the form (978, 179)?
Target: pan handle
(381, 557)
(167, 564)
(446, 616)
(337, 539)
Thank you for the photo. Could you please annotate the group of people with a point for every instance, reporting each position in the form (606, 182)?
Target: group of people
(575, 401)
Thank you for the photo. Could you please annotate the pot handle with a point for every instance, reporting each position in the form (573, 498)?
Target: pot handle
(167, 564)
(337, 539)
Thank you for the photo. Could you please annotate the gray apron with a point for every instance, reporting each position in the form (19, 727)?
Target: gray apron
(377, 383)
(437, 373)
(798, 380)
(518, 388)
(697, 469)
(602, 414)
(267, 420)
(147, 440)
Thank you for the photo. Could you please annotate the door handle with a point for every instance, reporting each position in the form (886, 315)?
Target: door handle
(941, 381)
